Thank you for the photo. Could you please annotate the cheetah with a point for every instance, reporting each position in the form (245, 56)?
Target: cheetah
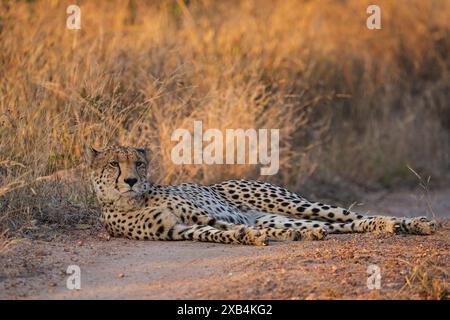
(233, 212)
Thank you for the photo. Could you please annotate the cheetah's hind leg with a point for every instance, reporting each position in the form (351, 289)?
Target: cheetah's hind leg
(378, 224)
(384, 224)
(418, 225)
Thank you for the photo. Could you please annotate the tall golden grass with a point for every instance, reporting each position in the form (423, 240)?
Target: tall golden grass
(350, 102)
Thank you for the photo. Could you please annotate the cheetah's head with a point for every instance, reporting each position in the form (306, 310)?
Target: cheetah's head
(117, 172)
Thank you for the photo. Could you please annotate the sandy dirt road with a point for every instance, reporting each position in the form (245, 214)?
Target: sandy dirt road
(332, 269)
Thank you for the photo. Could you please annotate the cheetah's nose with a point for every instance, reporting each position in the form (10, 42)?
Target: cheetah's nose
(130, 181)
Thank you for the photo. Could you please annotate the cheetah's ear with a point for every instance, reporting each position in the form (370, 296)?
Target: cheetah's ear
(90, 154)
(142, 151)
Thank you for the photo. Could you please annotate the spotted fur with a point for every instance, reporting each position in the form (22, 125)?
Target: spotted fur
(234, 211)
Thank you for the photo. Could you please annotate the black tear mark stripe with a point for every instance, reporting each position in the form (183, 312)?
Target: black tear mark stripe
(103, 171)
(118, 176)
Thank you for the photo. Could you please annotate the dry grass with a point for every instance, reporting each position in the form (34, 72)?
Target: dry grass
(430, 278)
(351, 103)
(6, 243)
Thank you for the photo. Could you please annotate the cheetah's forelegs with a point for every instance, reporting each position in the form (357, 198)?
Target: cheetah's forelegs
(243, 235)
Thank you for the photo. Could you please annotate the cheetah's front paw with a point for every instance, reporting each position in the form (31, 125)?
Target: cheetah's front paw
(252, 237)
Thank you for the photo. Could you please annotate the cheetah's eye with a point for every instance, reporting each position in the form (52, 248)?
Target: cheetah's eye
(140, 164)
(114, 163)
